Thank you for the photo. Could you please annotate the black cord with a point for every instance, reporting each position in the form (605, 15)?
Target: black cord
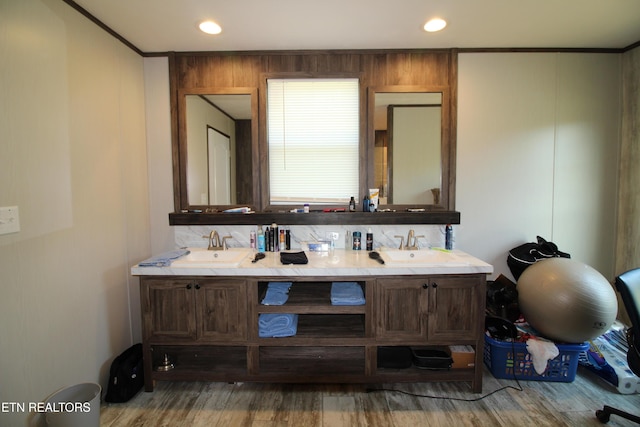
(447, 397)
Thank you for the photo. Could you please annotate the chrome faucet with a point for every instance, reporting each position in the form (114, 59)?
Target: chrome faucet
(412, 241)
(214, 241)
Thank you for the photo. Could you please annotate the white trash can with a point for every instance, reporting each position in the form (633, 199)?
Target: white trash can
(74, 406)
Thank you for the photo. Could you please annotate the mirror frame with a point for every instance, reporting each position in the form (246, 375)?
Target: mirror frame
(180, 158)
(447, 148)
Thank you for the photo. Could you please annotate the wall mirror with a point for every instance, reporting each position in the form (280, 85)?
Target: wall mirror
(218, 136)
(409, 137)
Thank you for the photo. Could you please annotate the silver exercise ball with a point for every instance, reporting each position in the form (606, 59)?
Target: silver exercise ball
(566, 300)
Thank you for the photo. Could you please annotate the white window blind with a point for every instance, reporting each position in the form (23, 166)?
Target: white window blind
(313, 138)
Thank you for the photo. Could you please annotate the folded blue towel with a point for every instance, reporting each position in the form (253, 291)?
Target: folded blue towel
(164, 259)
(346, 293)
(277, 293)
(280, 285)
(277, 325)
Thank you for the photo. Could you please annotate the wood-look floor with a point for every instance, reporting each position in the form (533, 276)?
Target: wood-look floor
(269, 405)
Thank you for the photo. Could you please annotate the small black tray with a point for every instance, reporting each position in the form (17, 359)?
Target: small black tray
(435, 359)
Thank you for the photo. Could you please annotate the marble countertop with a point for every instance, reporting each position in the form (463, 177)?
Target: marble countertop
(338, 262)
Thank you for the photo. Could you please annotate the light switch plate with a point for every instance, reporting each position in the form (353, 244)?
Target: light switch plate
(9, 220)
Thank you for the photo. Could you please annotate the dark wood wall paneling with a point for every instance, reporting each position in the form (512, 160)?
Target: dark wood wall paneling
(378, 69)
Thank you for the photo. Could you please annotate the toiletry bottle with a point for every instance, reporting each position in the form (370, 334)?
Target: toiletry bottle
(365, 204)
(252, 239)
(267, 239)
(260, 240)
(306, 208)
(275, 237)
(448, 237)
(357, 243)
(369, 239)
(287, 239)
(352, 204)
(282, 245)
(347, 240)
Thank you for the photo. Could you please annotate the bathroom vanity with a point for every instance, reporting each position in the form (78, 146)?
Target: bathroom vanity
(204, 320)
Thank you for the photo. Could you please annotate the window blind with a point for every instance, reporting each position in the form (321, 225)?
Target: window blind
(313, 139)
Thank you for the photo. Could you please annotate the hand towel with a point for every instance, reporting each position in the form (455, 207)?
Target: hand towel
(541, 352)
(164, 259)
(346, 293)
(293, 258)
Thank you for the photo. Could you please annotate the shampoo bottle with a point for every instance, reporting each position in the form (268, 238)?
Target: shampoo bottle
(260, 240)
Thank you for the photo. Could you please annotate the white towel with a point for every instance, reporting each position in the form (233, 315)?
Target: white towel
(541, 352)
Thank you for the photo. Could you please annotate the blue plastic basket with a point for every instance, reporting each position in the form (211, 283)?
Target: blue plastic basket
(499, 358)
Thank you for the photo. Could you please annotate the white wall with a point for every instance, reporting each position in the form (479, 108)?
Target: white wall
(73, 159)
(538, 137)
(158, 125)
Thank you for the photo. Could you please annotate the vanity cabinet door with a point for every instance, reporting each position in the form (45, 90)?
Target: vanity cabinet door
(456, 307)
(168, 309)
(221, 309)
(402, 306)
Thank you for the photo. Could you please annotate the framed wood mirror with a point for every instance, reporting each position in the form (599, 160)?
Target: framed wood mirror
(218, 139)
(411, 146)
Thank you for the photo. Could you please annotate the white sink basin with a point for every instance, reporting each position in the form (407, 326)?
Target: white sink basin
(420, 258)
(201, 257)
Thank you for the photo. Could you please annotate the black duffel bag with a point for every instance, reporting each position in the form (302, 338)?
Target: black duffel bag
(528, 254)
(126, 376)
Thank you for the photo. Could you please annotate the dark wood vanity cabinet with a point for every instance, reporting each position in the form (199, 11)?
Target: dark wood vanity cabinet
(200, 310)
(208, 328)
(438, 309)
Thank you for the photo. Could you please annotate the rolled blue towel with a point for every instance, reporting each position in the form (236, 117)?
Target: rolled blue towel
(346, 293)
(277, 293)
(275, 325)
(164, 259)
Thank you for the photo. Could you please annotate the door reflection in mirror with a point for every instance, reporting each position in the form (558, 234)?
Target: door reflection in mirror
(211, 122)
(407, 147)
(219, 167)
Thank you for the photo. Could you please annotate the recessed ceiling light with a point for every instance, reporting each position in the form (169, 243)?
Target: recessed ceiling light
(435, 24)
(210, 27)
